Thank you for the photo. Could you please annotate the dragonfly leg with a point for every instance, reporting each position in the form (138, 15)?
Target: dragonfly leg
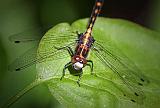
(64, 69)
(69, 49)
(79, 34)
(90, 64)
(80, 76)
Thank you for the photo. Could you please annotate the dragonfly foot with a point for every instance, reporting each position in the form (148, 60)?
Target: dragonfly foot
(61, 77)
(78, 83)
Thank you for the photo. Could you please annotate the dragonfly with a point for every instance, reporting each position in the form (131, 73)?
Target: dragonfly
(125, 69)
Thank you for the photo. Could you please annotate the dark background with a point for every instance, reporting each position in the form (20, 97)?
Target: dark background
(19, 15)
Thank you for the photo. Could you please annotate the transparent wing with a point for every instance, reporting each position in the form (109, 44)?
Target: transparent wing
(30, 58)
(51, 52)
(124, 68)
(35, 35)
(29, 35)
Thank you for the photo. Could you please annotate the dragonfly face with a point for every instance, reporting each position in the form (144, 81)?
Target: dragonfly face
(78, 65)
(78, 62)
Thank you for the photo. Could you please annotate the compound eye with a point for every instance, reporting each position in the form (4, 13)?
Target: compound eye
(81, 61)
(77, 58)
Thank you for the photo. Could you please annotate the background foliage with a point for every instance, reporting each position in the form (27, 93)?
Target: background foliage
(19, 15)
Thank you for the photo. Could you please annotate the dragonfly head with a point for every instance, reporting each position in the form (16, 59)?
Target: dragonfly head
(78, 62)
(78, 65)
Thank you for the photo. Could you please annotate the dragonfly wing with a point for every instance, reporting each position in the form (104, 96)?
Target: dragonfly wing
(36, 35)
(128, 73)
(25, 60)
(51, 41)
(51, 52)
(30, 35)
(30, 58)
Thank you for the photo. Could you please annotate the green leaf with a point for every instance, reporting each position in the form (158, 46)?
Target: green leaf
(106, 89)
(136, 47)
